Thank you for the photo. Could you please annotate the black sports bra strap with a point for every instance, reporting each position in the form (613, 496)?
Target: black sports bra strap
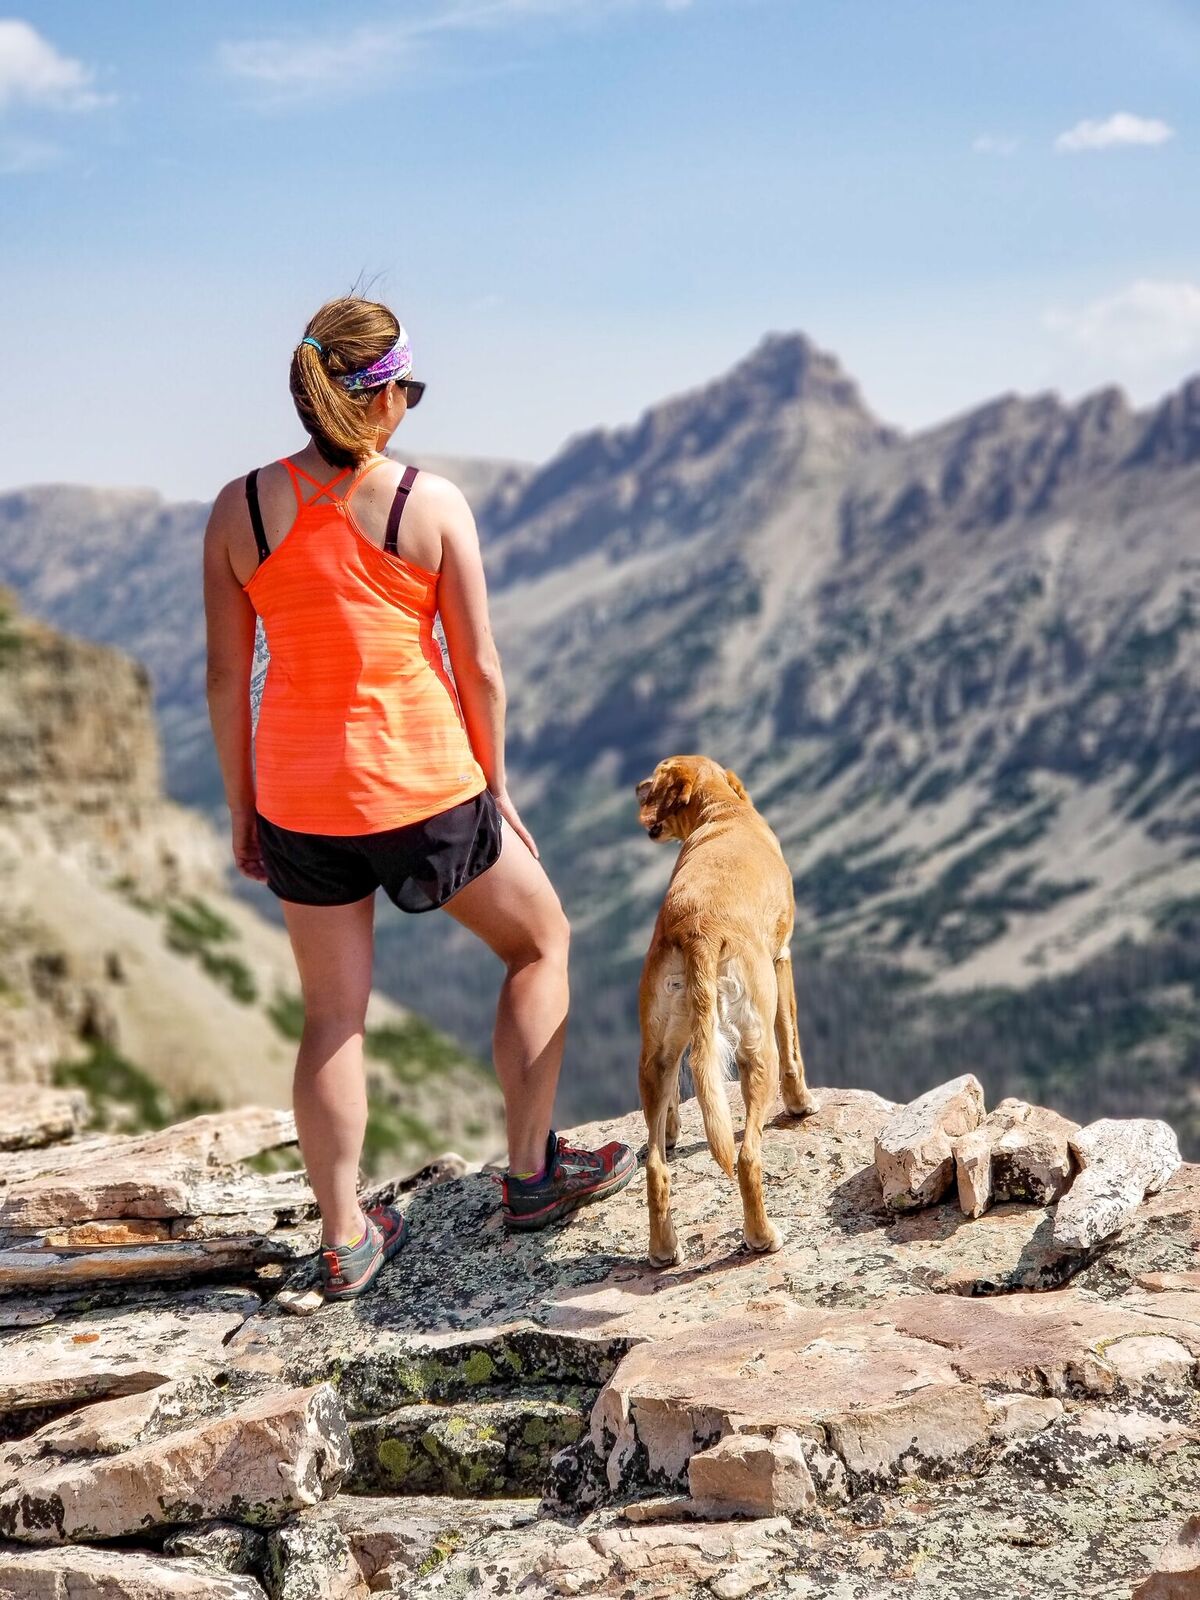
(397, 511)
(256, 521)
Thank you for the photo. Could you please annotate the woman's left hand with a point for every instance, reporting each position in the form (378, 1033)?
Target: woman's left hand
(247, 853)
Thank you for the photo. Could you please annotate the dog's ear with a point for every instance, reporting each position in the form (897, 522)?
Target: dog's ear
(671, 791)
(736, 784)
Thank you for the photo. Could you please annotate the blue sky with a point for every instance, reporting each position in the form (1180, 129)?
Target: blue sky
(578, 207)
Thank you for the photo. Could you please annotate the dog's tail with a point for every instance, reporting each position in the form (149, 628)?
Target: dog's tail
(711, 1053)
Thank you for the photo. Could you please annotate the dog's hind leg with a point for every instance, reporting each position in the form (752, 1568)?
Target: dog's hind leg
(758, 1068)
(672, 1138)
(658, 1080)
(797, 1097)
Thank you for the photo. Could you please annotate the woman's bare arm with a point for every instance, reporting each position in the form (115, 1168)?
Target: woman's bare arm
(474, 659)
(230, 619)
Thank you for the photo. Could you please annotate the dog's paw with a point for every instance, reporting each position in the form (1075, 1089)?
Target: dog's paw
(799, 1102)
(771, 1241)
(667, 1253)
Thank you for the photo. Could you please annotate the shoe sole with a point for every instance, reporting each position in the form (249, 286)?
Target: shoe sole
(376, 1267)
(569, 1203)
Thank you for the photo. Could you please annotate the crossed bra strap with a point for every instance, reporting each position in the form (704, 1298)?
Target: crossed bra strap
(397, 511)
(393, 523)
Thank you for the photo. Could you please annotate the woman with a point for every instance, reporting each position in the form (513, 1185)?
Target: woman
(372, 768)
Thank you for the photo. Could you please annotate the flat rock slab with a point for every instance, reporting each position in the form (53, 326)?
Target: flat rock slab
(876, 1396)
(1123, 1161)
(256, 1464)
(41, 1270)
(165, 1174)
(914, 1150)
(32, 1116)
(119, 1350)
(83, 1573)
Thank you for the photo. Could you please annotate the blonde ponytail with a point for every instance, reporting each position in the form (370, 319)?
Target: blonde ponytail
(353, 334)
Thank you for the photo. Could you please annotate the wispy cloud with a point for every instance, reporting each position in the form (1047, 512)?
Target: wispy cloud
(994, 144)
(1122, 128)
(33, 72)
(1149, 328)
(18, 154)
(290, 67)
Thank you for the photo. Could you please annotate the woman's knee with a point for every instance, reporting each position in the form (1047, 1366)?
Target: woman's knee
(549, 939)
(330, 1019)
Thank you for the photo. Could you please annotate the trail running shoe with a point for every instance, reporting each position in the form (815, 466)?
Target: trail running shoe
(346, 1273)
(572, 1178)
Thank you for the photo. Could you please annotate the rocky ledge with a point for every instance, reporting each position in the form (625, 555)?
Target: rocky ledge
(930, 1397)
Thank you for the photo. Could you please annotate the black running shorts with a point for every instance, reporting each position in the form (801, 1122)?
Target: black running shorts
(419, 865)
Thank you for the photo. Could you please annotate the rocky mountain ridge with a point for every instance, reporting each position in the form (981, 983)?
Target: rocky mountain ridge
(957, 671)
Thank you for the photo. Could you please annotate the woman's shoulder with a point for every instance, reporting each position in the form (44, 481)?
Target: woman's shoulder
(432, 491)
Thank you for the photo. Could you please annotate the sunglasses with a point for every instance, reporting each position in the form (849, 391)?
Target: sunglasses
(413, 390)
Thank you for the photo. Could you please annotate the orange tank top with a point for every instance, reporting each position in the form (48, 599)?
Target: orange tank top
(359, 728)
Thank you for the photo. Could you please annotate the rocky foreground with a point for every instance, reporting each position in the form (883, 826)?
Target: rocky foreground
(933, 1388)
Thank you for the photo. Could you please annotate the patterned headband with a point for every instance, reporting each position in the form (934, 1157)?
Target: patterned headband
(397, 363)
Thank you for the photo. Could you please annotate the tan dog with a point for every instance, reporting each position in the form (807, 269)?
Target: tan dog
(717, 977)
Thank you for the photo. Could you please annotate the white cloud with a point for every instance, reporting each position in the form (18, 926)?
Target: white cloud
(310, 63)
(293, 67)
(1146, 335)
(1122, 128)
(34, 73)
(994, 144)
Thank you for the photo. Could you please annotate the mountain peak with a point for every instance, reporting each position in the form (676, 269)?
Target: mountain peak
(786, 367)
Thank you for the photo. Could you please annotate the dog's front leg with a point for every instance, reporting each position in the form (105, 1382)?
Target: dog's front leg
(655, 1079)
(798, 1098)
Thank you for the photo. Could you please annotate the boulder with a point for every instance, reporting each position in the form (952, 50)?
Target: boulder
(1122, 1161)
(914, 1150)
(256, 1464)
(746, 1475)
(1031, 1160)
(83, 1573)
(973, 1155)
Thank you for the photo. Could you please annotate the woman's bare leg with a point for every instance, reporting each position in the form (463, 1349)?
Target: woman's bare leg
(334, 948)
(513, 908)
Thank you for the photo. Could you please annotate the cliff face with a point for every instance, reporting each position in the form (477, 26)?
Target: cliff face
(127, 968)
